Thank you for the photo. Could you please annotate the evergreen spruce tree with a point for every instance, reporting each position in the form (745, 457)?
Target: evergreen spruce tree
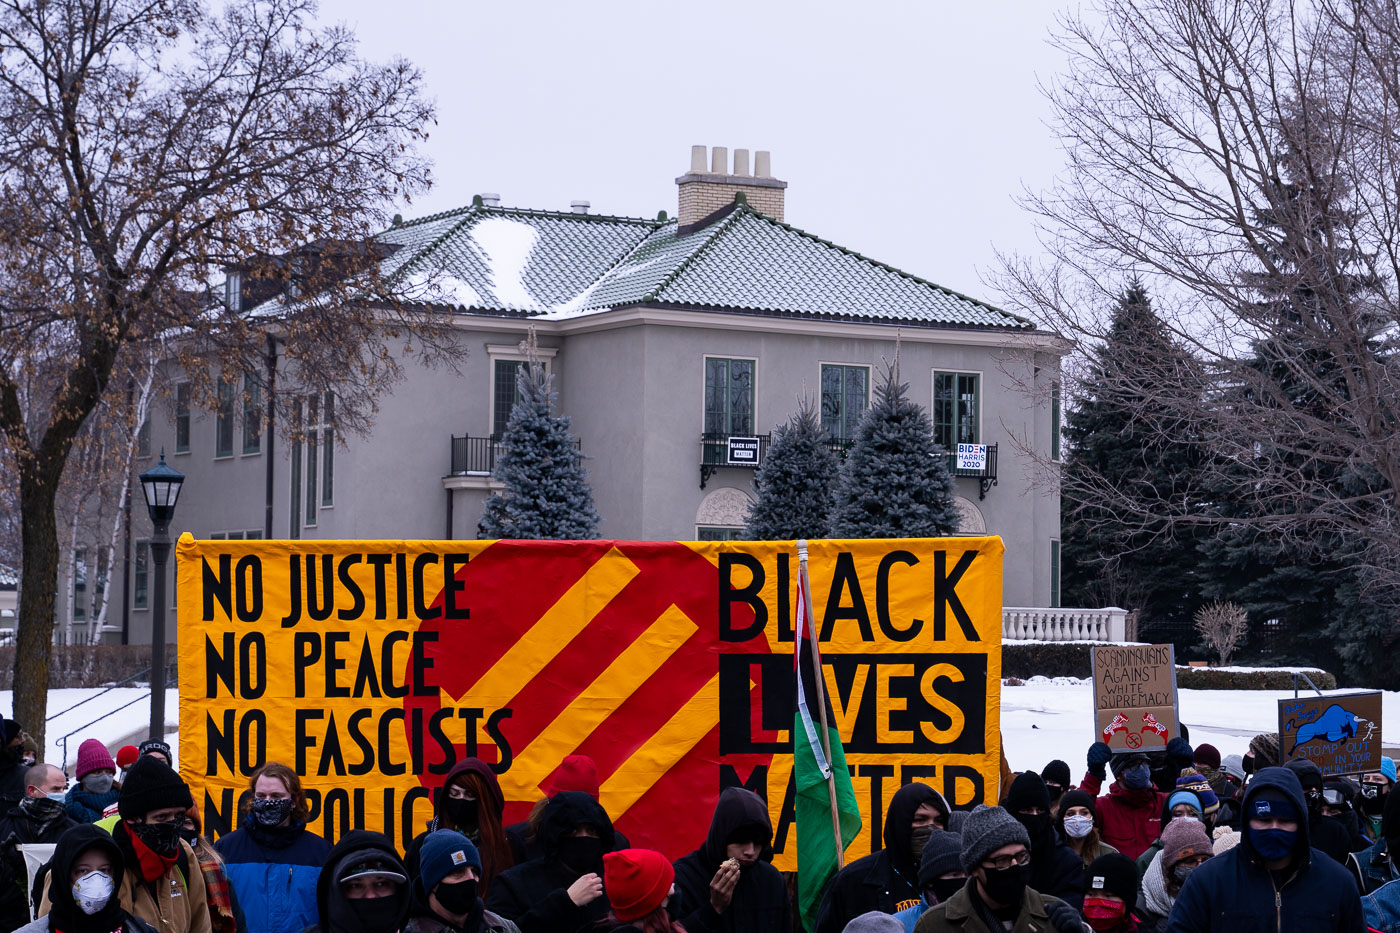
(895, 483)
(546, 493)
(796, 484)
(1114, 436)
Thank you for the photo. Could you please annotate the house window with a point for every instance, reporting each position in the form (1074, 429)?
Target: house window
(328, 450)
(252, 415)
(505, 392)
(141, 576)
(182, 418)
(80, 584)
(294, 531)
(1054, 575)
(845, 395)
(253, 534)
(1055, 421)
(233, 291)
(728, 396)
(313, 424)
(718, 533)
(143, 438)
(99, 576)
(223, 433)
(955, 409)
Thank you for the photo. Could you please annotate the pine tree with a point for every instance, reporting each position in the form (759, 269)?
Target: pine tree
(895, 483)
(796, 484)
(1114, 436)
(546, 493)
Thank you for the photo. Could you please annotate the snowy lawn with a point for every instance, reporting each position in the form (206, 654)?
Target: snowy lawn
(1046, 719)
(130, 709)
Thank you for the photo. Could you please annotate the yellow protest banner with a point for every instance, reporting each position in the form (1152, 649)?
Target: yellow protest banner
(371, 667)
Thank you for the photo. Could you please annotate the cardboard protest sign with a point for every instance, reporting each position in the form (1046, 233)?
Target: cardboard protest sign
(371, 667)
(1341, 734)
(1135, 696)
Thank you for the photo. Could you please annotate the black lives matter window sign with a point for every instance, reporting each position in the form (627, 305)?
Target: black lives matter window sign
(743, 451)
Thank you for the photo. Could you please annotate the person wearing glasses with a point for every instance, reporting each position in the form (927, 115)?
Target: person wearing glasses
(996, 854)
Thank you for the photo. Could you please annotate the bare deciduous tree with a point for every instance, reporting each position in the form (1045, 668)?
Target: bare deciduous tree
(1221, 626)
(1241, 156)
(144, 146)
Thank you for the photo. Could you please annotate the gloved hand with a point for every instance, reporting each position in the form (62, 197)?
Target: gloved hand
(1180, 754)
(1064, 918)
(1099, 755)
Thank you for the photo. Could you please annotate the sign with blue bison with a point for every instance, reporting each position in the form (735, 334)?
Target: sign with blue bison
(1341, 734)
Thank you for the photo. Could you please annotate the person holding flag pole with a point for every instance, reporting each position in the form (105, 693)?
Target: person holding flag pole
(827, 814)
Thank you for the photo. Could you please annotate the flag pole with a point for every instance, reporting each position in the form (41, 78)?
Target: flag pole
(821, 701)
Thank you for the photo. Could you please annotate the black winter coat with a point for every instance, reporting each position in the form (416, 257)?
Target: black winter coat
(888, 880)
(17, 828)
(1235, 893)
(535, 895)
(760, 903)
(1058, 871)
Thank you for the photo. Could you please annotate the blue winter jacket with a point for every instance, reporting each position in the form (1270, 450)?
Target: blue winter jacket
(1235, 893)
(274, 872)
(1382, 908)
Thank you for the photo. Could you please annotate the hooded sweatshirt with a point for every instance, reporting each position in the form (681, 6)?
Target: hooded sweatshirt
(535, 895)
(337, 913)
(64, 913)
(1236, 891)
(35, 820)
(760, 902)
(497, 803)
(888, 880)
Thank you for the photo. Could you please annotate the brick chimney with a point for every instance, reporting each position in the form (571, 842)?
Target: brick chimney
(703, 192)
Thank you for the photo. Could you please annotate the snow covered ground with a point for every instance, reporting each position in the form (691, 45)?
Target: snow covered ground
(1049, 719)
(1040, 721)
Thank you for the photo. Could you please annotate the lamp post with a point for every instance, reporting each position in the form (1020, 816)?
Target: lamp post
(161, 485)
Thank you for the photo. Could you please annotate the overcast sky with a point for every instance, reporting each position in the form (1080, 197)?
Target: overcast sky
(905, 131)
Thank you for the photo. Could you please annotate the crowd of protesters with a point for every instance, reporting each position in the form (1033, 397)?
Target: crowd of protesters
(1180, 841)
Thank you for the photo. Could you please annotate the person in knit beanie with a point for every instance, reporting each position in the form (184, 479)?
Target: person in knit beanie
(1263, 752)
(874, 922)
(447, 892)
(1185, 846)
(996, 854)
(639, 883)
(1057, 780)
(1111, 894)
(941, 875)
(1192, 780)
(96, 789)
(1056, 869)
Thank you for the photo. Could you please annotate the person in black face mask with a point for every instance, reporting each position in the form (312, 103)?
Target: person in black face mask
(996, 854)
(363, 888)
(1056, 869)
(12, 767)
(562, 890)
(447, 895)
(470, 801)
(39, 818)
(1057, 780)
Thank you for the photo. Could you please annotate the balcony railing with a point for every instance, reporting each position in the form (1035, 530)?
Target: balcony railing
(986, 477)
(1064, 624)
(715, 452)
(476, 456)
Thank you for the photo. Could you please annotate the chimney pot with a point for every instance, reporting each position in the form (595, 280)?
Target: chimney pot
(490, 199)
(719, 160)
(697, 159)
(579, 207)
(763, 164)
(741, 161)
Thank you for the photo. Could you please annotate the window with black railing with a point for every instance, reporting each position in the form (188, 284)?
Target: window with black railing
(477, 456)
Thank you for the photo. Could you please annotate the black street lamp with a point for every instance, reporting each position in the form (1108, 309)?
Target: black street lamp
(161, 485)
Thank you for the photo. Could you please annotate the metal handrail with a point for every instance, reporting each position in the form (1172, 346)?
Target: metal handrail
(64, 741)
(146, 697)
(120, 683)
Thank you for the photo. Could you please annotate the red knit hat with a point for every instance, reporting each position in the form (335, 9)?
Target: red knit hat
(93, 756)
(127, 755)
(576, 772)
(636, 882)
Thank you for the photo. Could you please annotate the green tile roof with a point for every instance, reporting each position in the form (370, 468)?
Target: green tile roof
(556, 265)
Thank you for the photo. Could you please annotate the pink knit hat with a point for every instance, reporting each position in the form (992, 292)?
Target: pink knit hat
(93, 756)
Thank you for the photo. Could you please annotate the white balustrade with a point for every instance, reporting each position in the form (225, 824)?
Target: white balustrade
(1029, 624)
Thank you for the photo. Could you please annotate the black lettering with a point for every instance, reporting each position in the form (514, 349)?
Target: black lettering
(415, 729)
(749, 595)
(451, 586)
(844, 579)
(334, 665)
(493, 729)
(306, 647)
(366, 763)
(337, 801)
(357, 596)
(787, 816)
(252, 751)
(218, 587)
(304, 742)
(218, 667)
(386, 736)
(322, 612)
(386, 665)
(882, 598)
(401, 584)
(331, 754)
(420, 563)
(972, 779)
(449, 754)
(218, 815)
(246, 668)
(470, 715)
(945, 596)
(365, 676)
(757, 782)
(248, 575)
(293, 615)
(785, 631)
(220, 743)
(877, 775)
(421, 665)
(379, 562)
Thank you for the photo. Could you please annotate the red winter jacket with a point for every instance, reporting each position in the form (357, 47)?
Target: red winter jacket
(1129, 820)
